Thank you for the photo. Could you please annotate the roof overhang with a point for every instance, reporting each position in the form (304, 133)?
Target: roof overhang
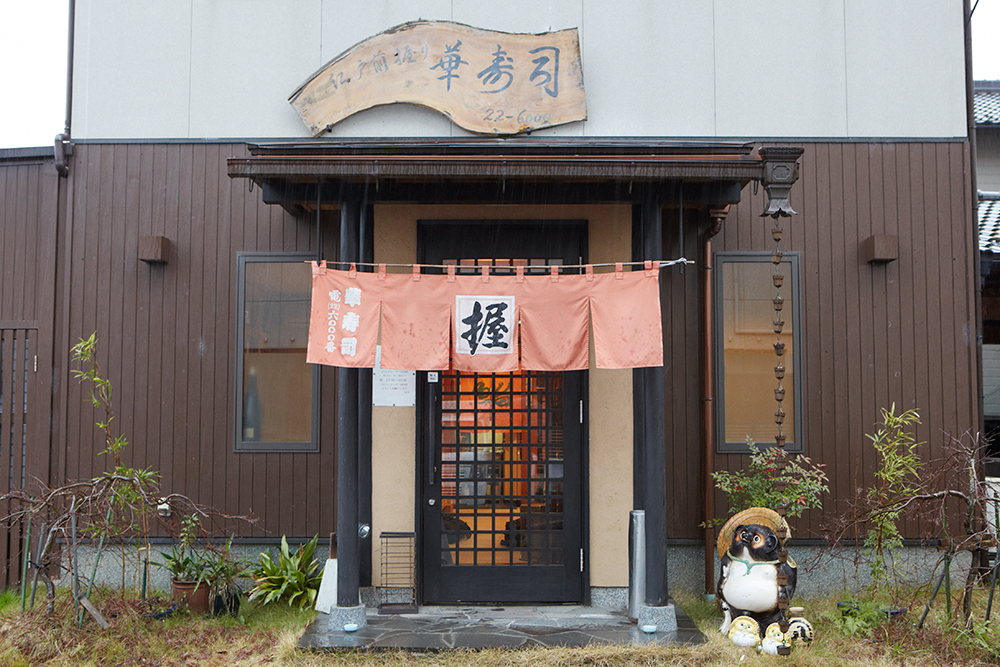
(300, 176)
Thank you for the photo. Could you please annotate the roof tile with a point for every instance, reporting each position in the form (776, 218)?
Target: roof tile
(989, 226)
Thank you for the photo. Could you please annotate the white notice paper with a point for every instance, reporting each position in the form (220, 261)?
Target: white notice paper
(392, 387)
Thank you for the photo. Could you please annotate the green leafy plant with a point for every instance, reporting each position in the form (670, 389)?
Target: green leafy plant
(101, 393)
(294, 577)
(211, 564)
(897, 480)
(184, 562)
(128, 513)
(859, 618)
(223, 572)
(186, 565)
(797, 485)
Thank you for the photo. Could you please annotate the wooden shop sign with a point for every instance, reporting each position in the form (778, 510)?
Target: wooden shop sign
(486, 81)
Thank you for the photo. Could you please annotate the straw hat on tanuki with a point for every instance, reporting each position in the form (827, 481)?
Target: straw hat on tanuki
(758, 515)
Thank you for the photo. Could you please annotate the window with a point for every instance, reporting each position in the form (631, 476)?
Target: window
(277, 406)
(744, 351)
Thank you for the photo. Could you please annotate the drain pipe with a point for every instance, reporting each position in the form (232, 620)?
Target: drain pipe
(63, 139)
(708, 382)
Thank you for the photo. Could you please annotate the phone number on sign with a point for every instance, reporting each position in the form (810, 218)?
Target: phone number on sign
(523, 118)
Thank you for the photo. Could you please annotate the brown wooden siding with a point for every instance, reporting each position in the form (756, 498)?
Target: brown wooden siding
(167, 331)
(29, 220)
(900, 332)
(872, 334)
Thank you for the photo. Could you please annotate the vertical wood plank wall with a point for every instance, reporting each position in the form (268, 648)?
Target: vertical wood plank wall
(29, 206)
(872, 334)
(167, 331)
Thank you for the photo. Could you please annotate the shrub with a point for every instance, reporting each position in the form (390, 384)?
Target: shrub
(898, 480)
(764, 483)
(293, 577)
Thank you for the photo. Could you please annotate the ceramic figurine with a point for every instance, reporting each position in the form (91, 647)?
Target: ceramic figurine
(743, 631)
(775, 641)
(748, 585)
(801, 631)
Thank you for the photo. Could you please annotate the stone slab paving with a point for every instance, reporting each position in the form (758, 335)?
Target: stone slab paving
(439, 628)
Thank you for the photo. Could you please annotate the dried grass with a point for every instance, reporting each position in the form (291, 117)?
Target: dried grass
(269, 635)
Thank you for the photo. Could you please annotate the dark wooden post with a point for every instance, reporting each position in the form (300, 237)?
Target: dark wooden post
(366, 253)
(348, 547)
(648, 439)
(638, 382)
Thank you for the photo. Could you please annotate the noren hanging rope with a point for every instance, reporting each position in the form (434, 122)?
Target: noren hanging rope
(545, 267)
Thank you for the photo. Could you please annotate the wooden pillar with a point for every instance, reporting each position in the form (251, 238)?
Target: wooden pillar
(648, 439)
(348, 543)
(366, 253)
(638, 382)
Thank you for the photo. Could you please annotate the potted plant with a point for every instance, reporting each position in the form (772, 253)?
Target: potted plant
(222, 573)
(189, 569)
(189, 580)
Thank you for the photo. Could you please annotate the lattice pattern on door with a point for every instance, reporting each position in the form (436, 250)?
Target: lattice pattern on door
(502, 469)
(17, 356)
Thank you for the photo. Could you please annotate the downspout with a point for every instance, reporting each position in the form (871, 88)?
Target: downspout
(63, 140)
(63, 270)
(971, 124)
(979, 280)
(708, 382)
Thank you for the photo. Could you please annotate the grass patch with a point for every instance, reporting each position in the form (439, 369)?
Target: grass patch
(9, 598)
(255, 638)
(267, 635)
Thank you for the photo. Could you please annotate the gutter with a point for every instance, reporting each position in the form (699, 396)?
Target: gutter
(717, 215)
(975, 197)
(974, 221)
(63, 145)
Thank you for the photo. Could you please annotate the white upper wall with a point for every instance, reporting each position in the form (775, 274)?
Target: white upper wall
(200, 69)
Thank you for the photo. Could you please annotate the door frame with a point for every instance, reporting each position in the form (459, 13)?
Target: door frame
(428, 430)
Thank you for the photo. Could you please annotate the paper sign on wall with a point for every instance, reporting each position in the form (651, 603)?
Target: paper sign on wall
(392, 387)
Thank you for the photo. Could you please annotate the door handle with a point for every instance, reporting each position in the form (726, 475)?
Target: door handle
(431, 432)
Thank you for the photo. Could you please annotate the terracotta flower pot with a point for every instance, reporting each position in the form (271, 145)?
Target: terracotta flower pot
(193, 595)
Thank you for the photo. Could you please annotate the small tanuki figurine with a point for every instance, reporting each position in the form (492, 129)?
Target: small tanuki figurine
(758, 577)
(744, 632)
(775, 641)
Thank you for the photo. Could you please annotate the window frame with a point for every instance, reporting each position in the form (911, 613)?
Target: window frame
(791, 292)
(239, 444)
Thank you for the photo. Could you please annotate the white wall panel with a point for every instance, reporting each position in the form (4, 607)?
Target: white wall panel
(133, 69)
(713, 68)
(780, 71)
(648, 68)
(905, 68)
(347, 22)
(246, 54)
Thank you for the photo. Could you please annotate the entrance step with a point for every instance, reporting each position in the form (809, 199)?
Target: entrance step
(436, 628)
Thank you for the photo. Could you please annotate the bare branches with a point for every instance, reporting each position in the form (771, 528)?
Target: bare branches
(948, 497)
(923, 498)
(121, 504)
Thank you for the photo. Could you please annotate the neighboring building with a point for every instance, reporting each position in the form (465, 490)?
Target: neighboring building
(987, 116)
(195, 193)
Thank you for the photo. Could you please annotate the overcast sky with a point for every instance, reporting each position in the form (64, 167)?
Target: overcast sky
(33, 72)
